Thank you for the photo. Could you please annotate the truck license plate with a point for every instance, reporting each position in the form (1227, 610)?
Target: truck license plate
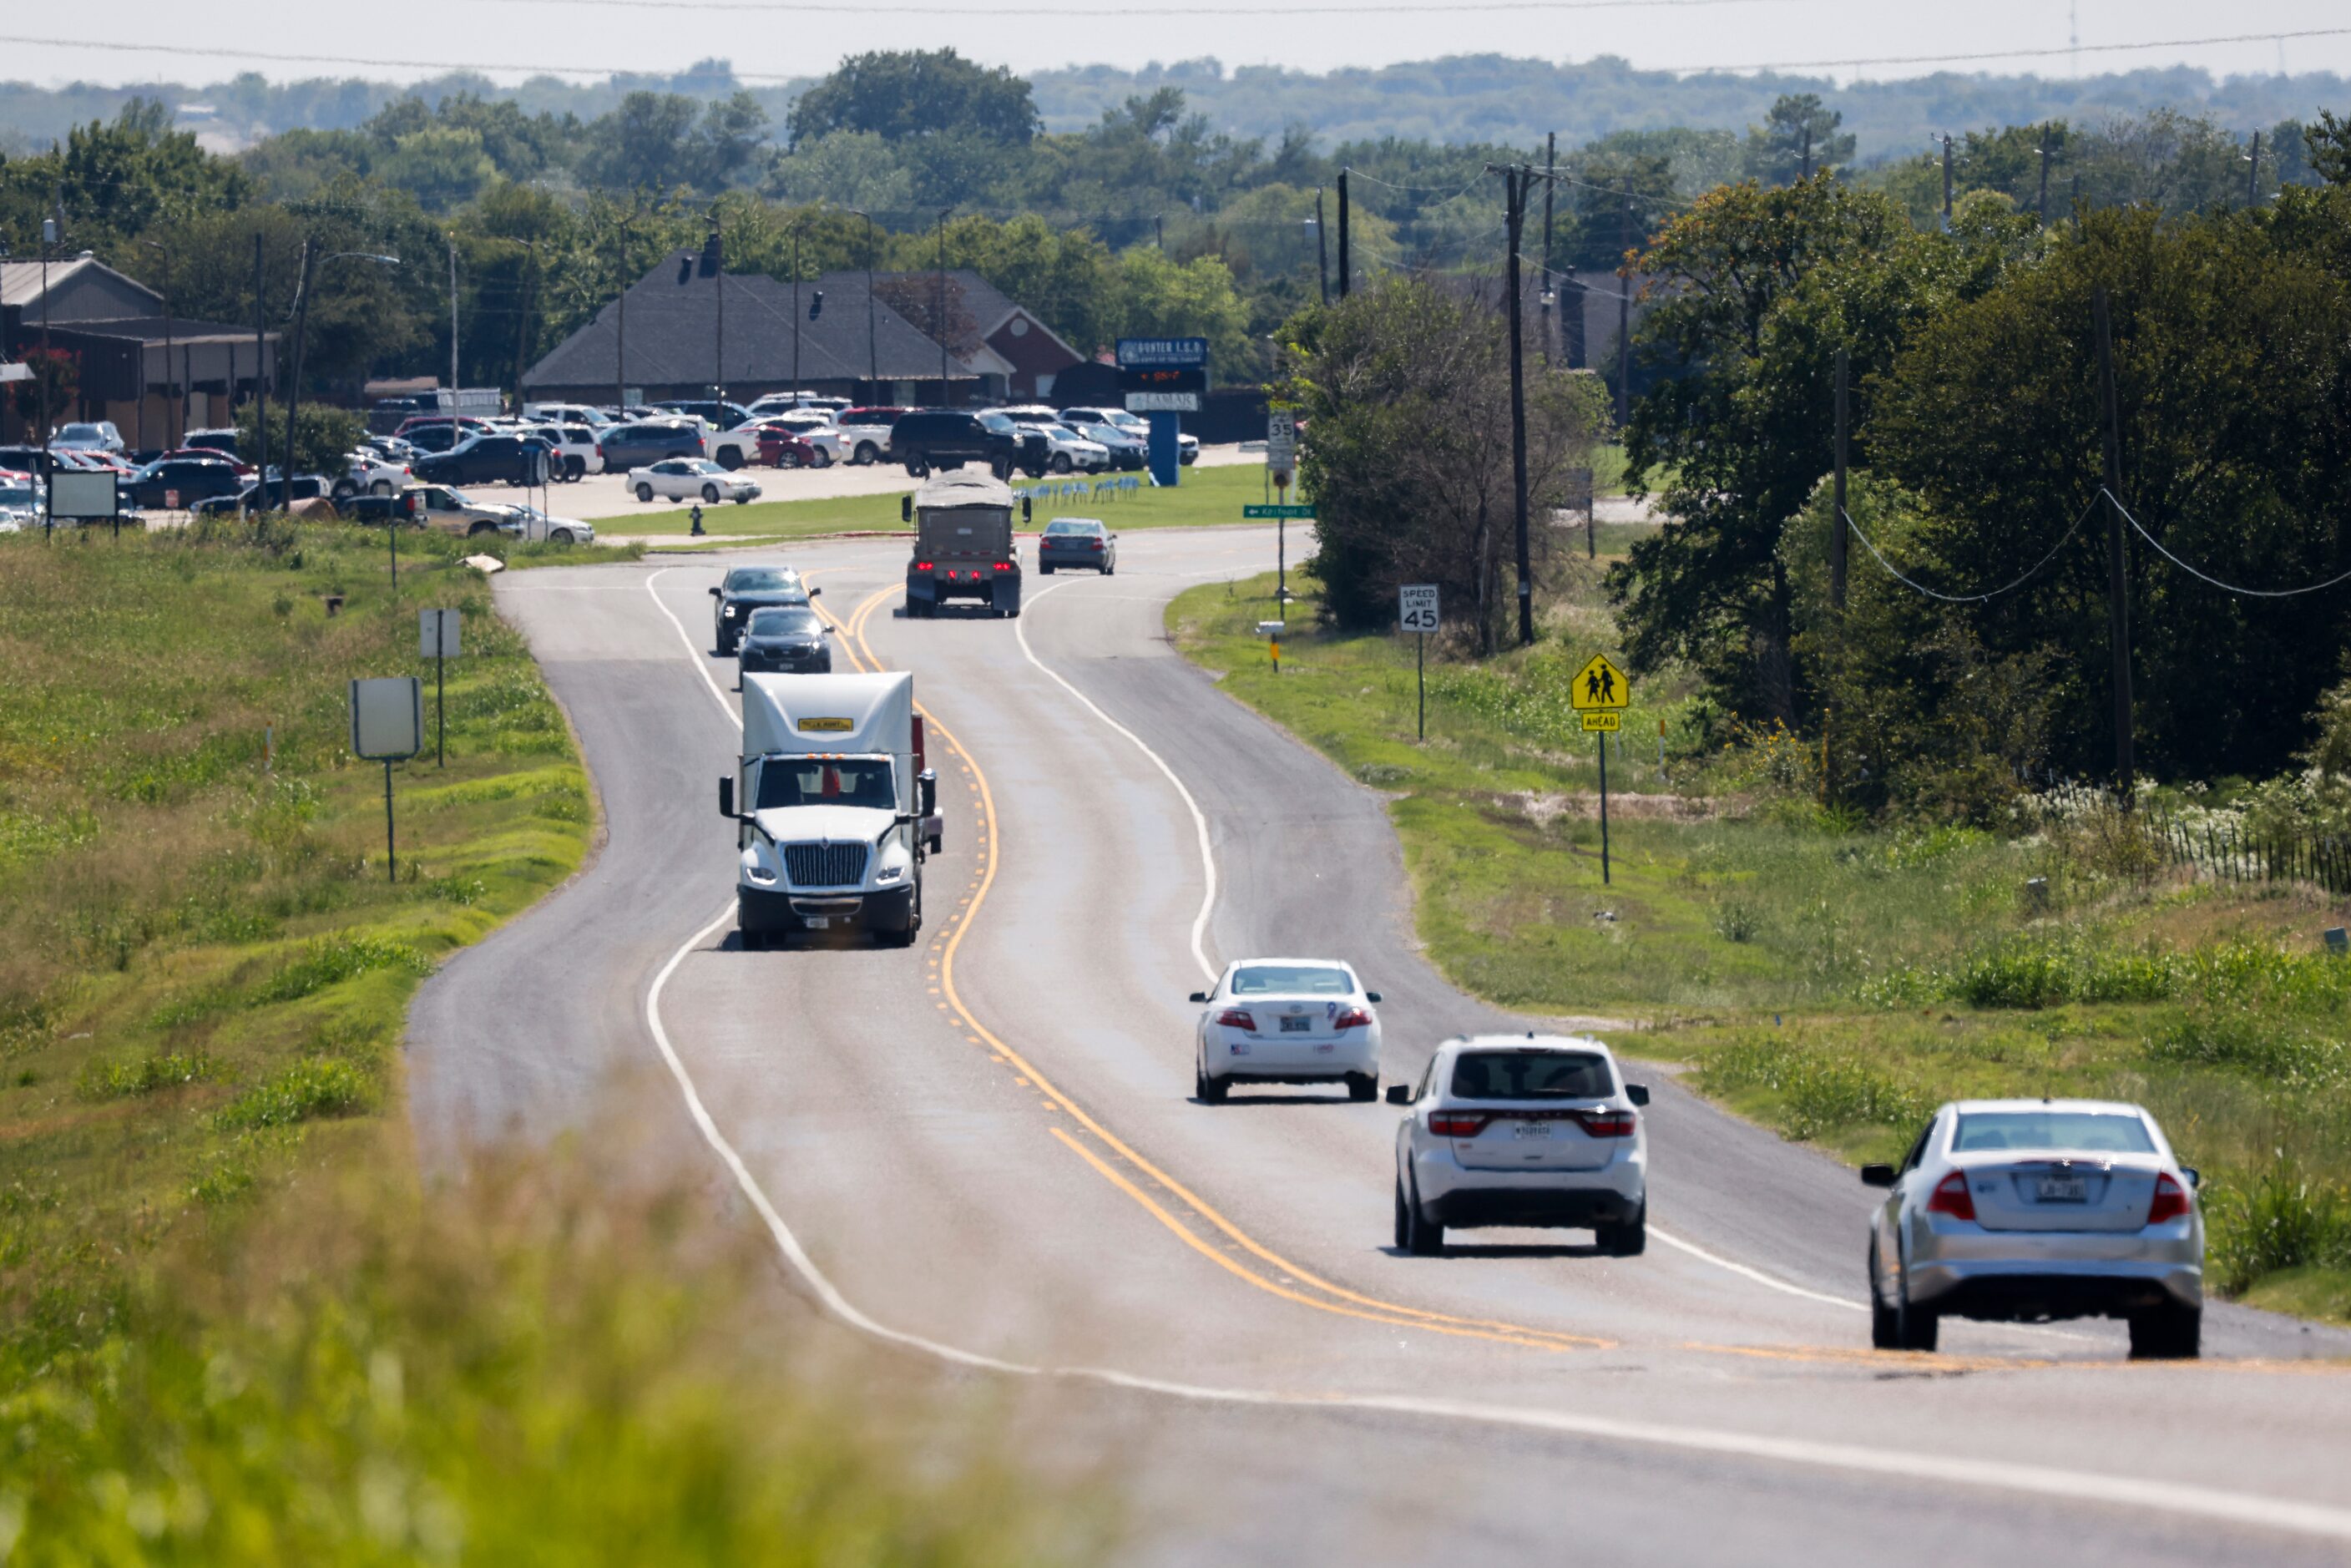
(818, 922)
(2064, 1189)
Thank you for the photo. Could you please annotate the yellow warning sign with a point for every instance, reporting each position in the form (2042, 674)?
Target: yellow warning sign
(1610, 720)
(1600, 684)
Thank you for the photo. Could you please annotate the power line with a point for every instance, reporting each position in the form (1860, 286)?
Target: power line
(2208, 577)
(1999, 54)
(1986, 598)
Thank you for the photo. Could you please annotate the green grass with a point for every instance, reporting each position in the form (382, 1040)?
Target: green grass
(1205, 496)
(1833, 980)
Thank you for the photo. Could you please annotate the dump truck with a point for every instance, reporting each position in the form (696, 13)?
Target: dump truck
(835, 809)
(963, 543)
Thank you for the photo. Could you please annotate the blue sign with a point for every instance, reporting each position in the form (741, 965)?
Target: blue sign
(1139, 351)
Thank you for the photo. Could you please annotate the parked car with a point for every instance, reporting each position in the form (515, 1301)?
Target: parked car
(1077, 541)
(737, 447)
(717, 412)
(20, 500)
(415, 423)
(211, 439)
(2033, 1210)
(688, 479)
(26, 460)
(773, 404)
(204, 455)
(487, 457)
(1133, 425)
(1068, 450)
(1126, 454)
(628, 446)
(262, 494)
(566, 413)
(949, 438)
(435, 507)
(867, 431)
(192, 479)
(816, 427)
(97, 436)
(781, 446)
(574, 446)
(534, 527)
(365, 472)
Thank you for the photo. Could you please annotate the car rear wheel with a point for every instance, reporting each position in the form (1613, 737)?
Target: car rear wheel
(574, 470)
(1414, 1233)
(1061, 463)
(1362, 1086)
(2168, 1333)
(1207, 1090)
(823, 459)
(866, 454)
(644, 492)
(731, 458)
(1043, 570)
(1885, 1323)
(1629, 1239)
(1915, 1328)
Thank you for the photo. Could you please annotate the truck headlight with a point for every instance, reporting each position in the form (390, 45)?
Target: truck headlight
(889, 873)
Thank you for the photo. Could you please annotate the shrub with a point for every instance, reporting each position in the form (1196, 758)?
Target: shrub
(2282, 1220)
(322, 1086)
(166, 1069)
(336, 959)
(1818, 1092)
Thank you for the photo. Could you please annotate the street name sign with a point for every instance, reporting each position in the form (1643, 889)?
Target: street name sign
(1272, 511)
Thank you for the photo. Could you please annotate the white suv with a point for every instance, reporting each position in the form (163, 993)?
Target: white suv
(1187, 447)
(1539, 1131)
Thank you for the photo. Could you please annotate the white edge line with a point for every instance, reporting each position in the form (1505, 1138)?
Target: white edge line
(2073, 1485)
(1760, 1278)
(1199, 820)
(701, 666)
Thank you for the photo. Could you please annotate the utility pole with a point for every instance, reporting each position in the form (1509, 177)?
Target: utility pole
(294, 381)
(1159, 231)
(2041, 206)
(49, 231)
(872, 353)
(260, 378)
(796, 315)
(1344, 269)
(2253, 174)
(1946, 181)
(1837, 525)
(621, 343)
(1514, 188)
(1625, 319)
(939, 306)
(718, 275)
(522, 335)
(1321, 246)
(453, 326)
(1550, 186)
(2118, 585)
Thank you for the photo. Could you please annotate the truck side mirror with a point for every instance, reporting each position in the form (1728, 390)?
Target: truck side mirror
(1637, 1093)
(906, 508)
(927, 792)
(726, 798)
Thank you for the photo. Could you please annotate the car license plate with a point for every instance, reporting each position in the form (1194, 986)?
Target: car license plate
(2064, 1189)
(1531, 1129)
(818, 922)
(1296, 1026)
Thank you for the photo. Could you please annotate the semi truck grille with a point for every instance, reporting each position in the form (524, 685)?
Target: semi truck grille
(826, 865)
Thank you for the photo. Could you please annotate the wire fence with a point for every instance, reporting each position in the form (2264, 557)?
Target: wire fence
(2233, 852)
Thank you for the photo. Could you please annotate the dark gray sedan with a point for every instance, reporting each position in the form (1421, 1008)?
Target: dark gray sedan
(785, 640)
(1077, 541)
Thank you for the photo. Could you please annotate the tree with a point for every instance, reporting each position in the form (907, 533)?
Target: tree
(2329, 147)
(898, 94)
(1797, 138)
(1406, 385)
(645, 144)
(57, 376)
(323, 437)
(1159, 297)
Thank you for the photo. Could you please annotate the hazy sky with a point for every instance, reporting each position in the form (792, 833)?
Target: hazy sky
(772, 38)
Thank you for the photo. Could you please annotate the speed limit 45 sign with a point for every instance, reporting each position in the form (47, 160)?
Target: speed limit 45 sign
(1417, 606)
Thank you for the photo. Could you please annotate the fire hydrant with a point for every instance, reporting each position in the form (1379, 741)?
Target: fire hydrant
(696, 529)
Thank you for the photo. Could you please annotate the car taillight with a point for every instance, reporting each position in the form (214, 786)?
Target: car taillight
(1237, 1018)
(1095, 545)
(2171, 1199)
(1458, 1123)
(1952, 1197)
(1607, 1124)
(1351, 1018)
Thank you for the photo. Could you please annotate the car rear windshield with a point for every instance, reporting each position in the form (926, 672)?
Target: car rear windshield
(760, 579)
(1064, 526)
(1291, 980)
(851, 781)
(1531, 1075)
(2091, 1132)
(789, 620)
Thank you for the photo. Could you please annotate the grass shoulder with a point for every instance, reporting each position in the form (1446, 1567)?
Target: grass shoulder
(1833, 980)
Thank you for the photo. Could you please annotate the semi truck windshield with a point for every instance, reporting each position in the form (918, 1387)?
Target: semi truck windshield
(834, 781)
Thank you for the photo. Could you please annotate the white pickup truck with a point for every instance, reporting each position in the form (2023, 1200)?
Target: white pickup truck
(837, 810)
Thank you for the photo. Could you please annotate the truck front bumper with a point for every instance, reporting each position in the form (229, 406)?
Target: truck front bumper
(764, 913)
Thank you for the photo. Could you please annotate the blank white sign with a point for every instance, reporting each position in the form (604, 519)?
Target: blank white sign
(387, 718)
(82, 496)
(436, 634)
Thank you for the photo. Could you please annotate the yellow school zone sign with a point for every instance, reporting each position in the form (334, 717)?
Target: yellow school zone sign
(1600, 684)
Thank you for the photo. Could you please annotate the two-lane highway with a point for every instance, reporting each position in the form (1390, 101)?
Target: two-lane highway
(987, 1144)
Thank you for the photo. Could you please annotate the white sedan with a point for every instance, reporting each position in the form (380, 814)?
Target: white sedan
(1286, 1020)
(534, 527)
(691, 479)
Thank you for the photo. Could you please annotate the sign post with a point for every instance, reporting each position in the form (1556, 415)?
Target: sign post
(1601, 693)
(388, 726)
(1416, 613)
(436, 636)
(1163, 377)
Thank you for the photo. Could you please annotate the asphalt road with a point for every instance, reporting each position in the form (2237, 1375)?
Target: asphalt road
(983, 1151)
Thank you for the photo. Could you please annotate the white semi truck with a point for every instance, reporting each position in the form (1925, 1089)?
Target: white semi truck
(838, 811)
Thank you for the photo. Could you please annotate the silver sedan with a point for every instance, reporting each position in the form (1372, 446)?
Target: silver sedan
(2034, 1210)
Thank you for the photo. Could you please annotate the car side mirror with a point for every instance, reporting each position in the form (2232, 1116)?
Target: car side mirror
(1201, 997)
(2195, 1177)
(1637, 1093)
(816, 593)
(717, 593)
(1399, 1093)
(906, 508)
(1372, 997)
(1877, 1175)
(1028, 512)
(727, 797)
